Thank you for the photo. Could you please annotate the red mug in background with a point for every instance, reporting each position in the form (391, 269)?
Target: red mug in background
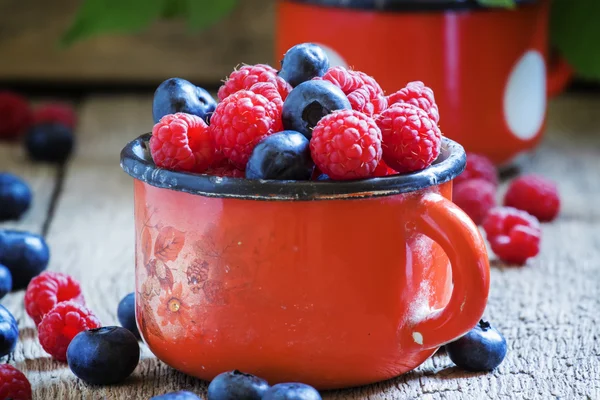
(487, 67)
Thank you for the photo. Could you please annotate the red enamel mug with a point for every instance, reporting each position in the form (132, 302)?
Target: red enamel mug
(334, 284)
(487, 67)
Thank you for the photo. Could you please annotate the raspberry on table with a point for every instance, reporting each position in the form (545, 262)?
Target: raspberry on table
(47, 290)
(478, 167)
(14, 384)
(475, 197)
(248, 75)
(536, 195)
(182, 142)
(417, 94)
(240, 122)
(346, 144)
(54, 113)
(61, 324)
(514, 235)
(15, 115)
(411, 140)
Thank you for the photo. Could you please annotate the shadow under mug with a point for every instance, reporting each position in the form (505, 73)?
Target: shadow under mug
(334, 284)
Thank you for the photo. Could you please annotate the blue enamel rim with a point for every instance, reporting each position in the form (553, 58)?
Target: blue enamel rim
(405, 5)
(137, 162)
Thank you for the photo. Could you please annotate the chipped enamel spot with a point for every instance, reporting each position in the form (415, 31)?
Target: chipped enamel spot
(525, 96)
(239, 243)
(418, 338)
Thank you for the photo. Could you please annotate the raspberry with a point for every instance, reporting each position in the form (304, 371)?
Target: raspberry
(534, 194)
(269, 91)
(47, 290)
(248, 75)
(343, 78)
(417, 94)
(383, 170)
(478, 167)
(363, 91)
(346, 144)
(476, 197)
(240, 122)
(55, 113)
(15, 115)
(514, 235)
(61, 324)
(411, 140)
(225, 169)
(13, 384)
(366, 99)
(182, 142)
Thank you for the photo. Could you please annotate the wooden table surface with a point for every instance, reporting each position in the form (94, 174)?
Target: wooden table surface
(548, 310)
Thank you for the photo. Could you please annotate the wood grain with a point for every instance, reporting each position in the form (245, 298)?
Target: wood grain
(547, 309)
(30, 30)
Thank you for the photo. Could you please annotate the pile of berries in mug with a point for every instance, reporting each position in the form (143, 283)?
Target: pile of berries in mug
(306, 121)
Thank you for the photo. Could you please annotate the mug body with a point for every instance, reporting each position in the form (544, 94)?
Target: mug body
(316, 291)
(487, 67)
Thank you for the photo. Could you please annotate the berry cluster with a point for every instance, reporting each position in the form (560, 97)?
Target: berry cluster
(512, 230)
(285, 124)
(47, 129)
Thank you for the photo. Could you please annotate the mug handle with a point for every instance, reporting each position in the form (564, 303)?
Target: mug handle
(560, 74)
(446, 224)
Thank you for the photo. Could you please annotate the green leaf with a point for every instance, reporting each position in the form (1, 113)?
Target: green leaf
(575, 33)
(497, 3)
(176, 8)
(112, 16)
(203, 13)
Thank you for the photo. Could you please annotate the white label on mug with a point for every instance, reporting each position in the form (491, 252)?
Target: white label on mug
(525, 96)
(335, 59)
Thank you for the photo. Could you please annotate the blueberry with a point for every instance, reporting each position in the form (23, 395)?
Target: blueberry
(310, 101)
(5, 281)
(126, 314)
(181, 395)
(9, 332)
(15, 197)
(25, 254)
(292, 391)
(282, 156)
(103, 356)
(52, 143)
(178, 95)
(482, 349)
(303, 62)
(236, 385)
(323, 177)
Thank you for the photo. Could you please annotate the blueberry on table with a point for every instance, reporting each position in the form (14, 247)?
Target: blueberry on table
(310, 101)
(482, 349)
(303, 62)
(292, 391)
(282, 156)
(103, 356)
(51, 142)
(181, 395)
(24, 254)
(5, 281)
(9, 332)
(178, 95)
(126, 314)
(236, 385)
(15, 197)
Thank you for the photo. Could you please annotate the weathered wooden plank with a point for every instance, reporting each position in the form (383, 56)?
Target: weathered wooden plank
(29, 33)
(547, 310)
